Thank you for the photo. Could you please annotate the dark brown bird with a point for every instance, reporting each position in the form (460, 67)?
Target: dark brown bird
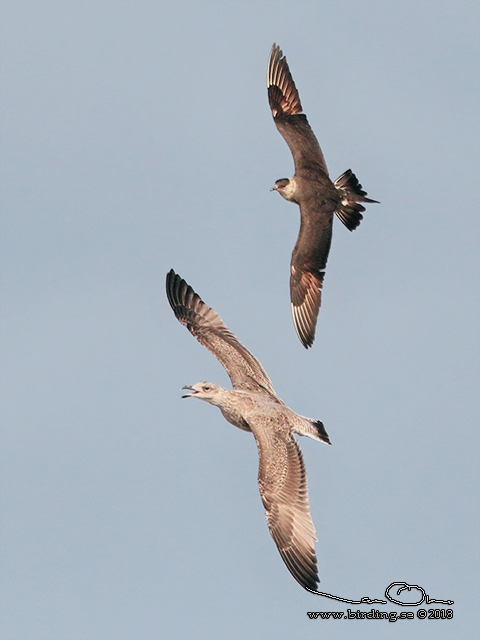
(252, 405)
(317, 196)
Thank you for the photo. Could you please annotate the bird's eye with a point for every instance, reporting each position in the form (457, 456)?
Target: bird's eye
(206, 387)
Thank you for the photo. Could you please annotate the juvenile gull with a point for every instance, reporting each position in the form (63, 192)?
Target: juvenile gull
(254, 406)
(317, 196)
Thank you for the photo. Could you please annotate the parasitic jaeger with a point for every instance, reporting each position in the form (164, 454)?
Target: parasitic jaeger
(254, 406)
(317, 196)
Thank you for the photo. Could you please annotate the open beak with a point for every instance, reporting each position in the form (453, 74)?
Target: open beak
(189, 395)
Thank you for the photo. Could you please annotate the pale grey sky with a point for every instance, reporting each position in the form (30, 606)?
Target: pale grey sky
(136, 137)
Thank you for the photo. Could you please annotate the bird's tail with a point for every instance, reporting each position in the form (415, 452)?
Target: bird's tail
(312, 428)
(351, 193)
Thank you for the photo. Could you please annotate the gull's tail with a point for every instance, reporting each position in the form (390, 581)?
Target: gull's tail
(311, 428)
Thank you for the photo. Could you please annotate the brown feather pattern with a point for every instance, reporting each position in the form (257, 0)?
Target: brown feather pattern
(283, 489)
(254, 406)
(282, 92)
(206, 325)
(317, 196)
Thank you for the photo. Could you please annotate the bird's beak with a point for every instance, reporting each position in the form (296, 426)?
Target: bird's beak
(273, 188)
(189, 395)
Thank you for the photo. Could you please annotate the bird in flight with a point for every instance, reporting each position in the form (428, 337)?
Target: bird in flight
(253, 406)
(316, 195)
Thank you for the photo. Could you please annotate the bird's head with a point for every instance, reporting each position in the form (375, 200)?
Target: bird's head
(204, 391)
(286, 188)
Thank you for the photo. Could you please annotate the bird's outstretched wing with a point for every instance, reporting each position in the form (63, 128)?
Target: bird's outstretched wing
(307, 268)
(287, 113)
(283, 489)
(205, 324)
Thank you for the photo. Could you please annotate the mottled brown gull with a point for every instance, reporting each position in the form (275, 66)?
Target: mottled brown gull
(253, 406)
(317, 196)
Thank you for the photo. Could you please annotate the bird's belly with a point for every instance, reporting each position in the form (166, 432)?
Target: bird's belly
(235, 417)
